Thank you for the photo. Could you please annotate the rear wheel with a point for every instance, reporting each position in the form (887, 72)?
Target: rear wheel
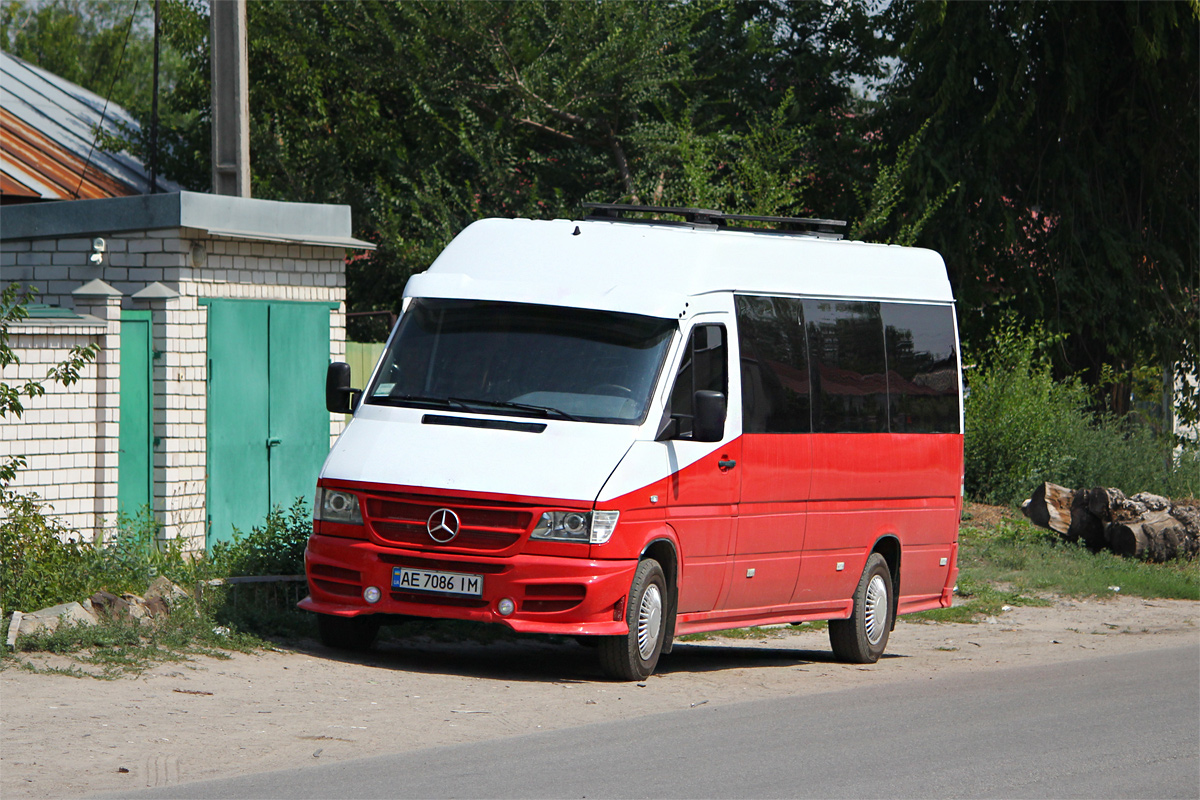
(348, 633)
(633, 656)
(862, 638)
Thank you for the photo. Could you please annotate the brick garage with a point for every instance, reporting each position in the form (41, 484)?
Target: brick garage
(171, 262)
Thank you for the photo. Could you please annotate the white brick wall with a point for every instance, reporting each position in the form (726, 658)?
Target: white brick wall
(85, 491)
(68, 436)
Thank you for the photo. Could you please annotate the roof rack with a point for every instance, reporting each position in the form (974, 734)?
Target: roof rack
(714, 220)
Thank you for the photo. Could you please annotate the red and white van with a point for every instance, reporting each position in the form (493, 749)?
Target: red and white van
(633, 430)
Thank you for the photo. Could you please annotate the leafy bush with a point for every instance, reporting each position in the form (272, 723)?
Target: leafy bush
(1024, 427)
(274, 548)
(42, 563)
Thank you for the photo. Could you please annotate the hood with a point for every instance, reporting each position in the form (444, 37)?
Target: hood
(566, 461)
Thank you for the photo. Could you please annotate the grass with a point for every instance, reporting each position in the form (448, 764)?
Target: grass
(1014, 563)
(125, 647)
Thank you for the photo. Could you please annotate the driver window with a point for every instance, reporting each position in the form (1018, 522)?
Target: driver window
(705, 366)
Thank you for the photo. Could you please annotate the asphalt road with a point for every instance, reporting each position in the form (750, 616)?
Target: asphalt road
(1123, 726)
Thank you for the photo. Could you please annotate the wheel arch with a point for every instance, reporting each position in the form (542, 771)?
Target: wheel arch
(663, 550)
(889, 547)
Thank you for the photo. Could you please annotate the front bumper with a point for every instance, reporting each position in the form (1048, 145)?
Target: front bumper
(552, 594)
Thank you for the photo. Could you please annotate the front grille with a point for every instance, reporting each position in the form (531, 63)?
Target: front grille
(484, 526)
(437, 565)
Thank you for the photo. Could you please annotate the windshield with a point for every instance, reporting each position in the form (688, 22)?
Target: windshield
(525, 360)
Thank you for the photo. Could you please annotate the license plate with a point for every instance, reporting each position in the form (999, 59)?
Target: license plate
(424, 580)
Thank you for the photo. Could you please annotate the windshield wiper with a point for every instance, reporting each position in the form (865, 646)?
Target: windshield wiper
(412, 399)
(543, 411)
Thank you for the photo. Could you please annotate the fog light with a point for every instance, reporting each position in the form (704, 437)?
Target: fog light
(506, 607)
(371, 594)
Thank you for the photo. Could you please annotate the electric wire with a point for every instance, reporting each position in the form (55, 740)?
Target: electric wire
(112, 85)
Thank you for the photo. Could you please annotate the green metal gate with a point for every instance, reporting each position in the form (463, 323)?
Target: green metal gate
(135, 439)
(267, 427)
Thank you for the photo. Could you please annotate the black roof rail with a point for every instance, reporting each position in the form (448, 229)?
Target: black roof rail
(714, 219)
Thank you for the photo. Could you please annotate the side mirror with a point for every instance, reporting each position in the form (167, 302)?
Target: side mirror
(339, 397)
(708, 424)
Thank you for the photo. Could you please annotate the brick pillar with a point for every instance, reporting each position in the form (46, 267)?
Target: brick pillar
(101, 300)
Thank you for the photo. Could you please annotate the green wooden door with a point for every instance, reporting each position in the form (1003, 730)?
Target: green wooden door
(135, 440)
(268, 430)
(298, 336)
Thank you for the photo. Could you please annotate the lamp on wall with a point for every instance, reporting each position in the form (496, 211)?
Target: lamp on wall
(98, 248)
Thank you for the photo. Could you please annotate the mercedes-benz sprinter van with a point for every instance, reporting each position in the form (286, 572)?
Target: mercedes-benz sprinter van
(626, 430)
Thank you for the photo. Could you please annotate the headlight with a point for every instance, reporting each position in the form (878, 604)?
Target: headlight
(331, 505)
(595, 527)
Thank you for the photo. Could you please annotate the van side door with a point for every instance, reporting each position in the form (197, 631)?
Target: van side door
(702, 491)
(776, 451)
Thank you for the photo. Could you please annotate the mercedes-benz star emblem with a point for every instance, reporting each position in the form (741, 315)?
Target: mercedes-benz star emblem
(442, 525)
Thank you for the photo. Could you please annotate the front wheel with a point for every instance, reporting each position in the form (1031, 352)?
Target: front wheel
(348, 633)
(633, 656)
(862, 638)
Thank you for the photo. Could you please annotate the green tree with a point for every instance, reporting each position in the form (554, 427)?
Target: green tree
(105, 46)
(1072, 129)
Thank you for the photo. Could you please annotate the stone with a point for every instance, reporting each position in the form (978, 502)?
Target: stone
(168, 592)
(48, 619)
(137, 606)
(108, 605)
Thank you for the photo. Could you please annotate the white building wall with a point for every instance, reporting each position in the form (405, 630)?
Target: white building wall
(195, 265)
(68, 436)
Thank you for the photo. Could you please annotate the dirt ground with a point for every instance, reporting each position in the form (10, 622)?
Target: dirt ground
(66, 737)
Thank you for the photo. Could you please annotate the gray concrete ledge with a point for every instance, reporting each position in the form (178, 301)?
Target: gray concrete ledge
(303, 223)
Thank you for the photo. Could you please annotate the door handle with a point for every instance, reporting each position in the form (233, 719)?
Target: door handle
(273, 441)
(726, 464)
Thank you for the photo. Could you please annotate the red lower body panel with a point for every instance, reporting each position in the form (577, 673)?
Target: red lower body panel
(551, 594)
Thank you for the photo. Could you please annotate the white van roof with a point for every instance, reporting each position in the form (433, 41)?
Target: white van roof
(653, 269)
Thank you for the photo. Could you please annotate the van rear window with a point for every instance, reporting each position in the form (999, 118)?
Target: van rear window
(523, 359)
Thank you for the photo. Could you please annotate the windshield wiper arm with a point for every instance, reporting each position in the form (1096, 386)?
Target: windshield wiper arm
(545, 411)
(436, 402)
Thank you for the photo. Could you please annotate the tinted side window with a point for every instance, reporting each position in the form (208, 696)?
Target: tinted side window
(775, 381)
(922, 368)
(705, 366)
(848, 367)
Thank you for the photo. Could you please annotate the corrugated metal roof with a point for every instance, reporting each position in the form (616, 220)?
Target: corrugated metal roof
(47, 129)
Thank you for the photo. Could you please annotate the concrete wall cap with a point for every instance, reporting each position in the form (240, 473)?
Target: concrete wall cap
(156, 291)
(97, 288)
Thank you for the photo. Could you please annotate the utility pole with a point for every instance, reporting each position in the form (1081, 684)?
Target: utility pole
(230, 98)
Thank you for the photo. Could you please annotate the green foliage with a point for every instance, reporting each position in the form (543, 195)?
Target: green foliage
(886, 201)
(105, 46)
(274, 548)
(1029, 562)
(1024, 427)
(1073, 130)
(42, 563)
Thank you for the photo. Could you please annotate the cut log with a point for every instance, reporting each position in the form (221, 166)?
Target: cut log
(1050, 507)
(1159, 537)
(1103, 502)
(1086, 526)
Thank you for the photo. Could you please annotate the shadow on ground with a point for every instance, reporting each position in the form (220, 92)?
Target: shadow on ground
(480, 652)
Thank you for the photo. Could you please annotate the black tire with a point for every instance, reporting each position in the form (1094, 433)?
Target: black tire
(862, 638)
(348, 633)
(633, 656)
